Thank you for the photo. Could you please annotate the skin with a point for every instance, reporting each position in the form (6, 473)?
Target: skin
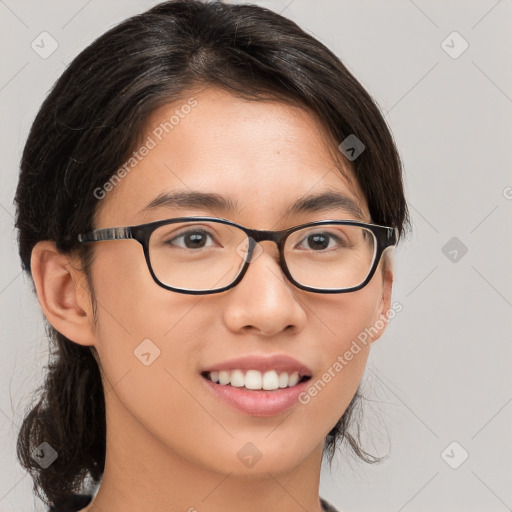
(171, 444)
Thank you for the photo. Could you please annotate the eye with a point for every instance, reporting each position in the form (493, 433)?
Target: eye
(322, 241)
(191, 239)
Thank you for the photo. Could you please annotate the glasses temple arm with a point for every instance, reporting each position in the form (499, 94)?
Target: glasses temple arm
(106, 234)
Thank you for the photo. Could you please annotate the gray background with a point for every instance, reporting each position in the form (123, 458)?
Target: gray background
(441, 372)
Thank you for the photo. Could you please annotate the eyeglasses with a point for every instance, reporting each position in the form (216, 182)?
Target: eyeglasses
(203, 255)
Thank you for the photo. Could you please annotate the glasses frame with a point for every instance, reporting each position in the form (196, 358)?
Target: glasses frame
(385, 237)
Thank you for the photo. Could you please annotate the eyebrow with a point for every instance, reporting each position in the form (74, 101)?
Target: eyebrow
(320, 202)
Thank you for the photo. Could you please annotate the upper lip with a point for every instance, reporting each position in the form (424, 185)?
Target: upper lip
(280, 362)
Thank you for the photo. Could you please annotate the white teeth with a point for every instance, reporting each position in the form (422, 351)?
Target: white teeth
(254, 379)
(283, 380)
(237, 378)
(270, 380)
(224, 377)
(293, 379)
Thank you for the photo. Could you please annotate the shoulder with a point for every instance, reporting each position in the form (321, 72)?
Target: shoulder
(73, 504)
(327, 507)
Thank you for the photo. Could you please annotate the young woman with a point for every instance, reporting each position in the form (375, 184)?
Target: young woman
(207, 206)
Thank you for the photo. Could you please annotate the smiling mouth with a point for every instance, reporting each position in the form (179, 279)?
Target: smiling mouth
(254, 380)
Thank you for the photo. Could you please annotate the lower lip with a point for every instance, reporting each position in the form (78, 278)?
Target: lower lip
(258, 402)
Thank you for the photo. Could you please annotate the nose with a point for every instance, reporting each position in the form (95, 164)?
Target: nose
(264, 301)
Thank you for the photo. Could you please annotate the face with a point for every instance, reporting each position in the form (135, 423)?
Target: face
(265, 156)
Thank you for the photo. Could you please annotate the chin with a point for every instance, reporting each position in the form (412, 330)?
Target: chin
(257, 458)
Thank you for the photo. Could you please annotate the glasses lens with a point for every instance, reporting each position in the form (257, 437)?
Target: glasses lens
(197, 255)
(330, 256)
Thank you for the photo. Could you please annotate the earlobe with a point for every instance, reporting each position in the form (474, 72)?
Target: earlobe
(64, 300)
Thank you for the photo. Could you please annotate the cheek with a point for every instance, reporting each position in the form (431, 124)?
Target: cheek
(131, 305)
(330, 392)
(345, 345)
(345, 319)
(148, 337)
(160, 399)
(350, 316)
(148, 347)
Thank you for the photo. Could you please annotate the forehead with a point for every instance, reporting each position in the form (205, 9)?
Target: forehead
(260, 156)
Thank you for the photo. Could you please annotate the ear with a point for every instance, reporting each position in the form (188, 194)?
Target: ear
(384, 302)
(62, 292)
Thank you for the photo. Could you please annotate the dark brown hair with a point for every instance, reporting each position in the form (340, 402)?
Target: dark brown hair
(93, 119)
